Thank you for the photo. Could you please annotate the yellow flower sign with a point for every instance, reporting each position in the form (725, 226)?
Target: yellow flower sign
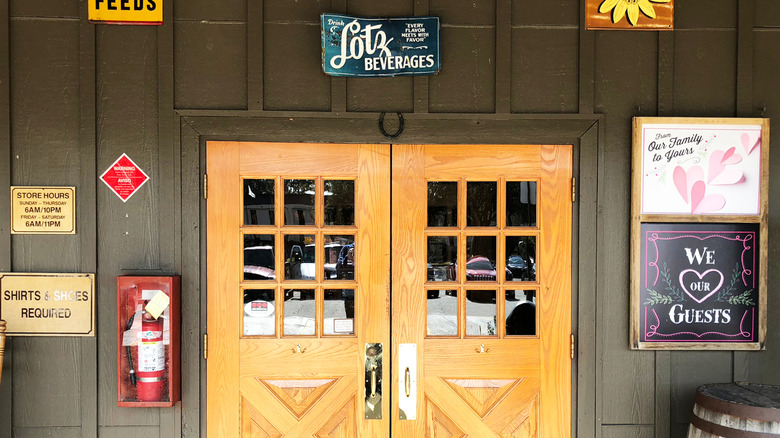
(630, 14)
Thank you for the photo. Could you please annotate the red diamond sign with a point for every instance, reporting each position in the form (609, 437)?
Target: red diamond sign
(124, 178)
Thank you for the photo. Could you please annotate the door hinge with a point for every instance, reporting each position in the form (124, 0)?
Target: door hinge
(573, 189)
(205, 346)
(205, 186)
(572, 347)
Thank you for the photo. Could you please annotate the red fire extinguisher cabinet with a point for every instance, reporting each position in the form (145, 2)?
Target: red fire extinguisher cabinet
(148, 348)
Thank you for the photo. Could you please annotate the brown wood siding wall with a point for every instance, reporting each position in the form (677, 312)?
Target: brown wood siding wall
(74, 96)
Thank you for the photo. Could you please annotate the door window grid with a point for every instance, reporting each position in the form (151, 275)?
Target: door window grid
(287, 290)
(500, 280)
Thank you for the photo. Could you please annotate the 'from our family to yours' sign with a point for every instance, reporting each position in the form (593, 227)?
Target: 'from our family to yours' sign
(699, 283)
(699, 233)
(701, 169)
(354, 46)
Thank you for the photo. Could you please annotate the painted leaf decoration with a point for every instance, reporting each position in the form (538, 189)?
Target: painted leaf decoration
(618, 12)
(647, 8)
(607, 5)
(633, 13)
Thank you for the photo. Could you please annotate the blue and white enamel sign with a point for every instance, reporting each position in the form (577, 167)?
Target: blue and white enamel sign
(354, 46)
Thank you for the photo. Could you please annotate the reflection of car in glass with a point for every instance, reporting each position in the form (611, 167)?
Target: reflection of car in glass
(441, 272)
(308, 267)
(479, 268)
(259, 263)
(332, 251)
(519, 268)
(345, 265)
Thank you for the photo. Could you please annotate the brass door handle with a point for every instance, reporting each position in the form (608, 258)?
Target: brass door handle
(373, 380)
(408, 382)
(298, 349)
(482, 349)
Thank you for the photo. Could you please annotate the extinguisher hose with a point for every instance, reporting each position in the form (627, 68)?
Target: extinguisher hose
(130, 353)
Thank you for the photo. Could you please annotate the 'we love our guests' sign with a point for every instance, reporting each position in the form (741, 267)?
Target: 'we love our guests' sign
(699, 283)
(699, 233)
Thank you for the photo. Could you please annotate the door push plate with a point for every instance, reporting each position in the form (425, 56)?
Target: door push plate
(373, 394)
(407, 381)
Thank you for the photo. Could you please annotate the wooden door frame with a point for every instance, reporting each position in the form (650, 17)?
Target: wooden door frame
(585, 133)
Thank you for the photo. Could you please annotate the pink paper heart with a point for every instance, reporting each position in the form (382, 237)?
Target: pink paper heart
(728, 177)
(715, 165)
(704, 287)
(684, 181)
(681, 182)
(704, 204)
(747, 145)
(730, 157)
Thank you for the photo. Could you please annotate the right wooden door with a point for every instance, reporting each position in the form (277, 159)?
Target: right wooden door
(481, 301)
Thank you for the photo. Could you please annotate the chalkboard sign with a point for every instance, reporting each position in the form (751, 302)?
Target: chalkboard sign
(698, 283)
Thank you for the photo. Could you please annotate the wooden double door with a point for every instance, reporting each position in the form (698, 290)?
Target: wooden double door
(378, 290)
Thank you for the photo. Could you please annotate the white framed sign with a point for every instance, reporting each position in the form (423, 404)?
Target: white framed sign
(700, 166)
(699, 233)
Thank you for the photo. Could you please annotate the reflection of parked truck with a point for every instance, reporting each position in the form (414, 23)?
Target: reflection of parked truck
(259, 263)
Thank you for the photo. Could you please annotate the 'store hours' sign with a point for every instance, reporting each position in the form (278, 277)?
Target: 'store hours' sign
(48, 304)
(43, 210)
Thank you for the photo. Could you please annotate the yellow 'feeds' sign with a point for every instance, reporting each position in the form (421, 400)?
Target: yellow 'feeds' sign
(126, 11)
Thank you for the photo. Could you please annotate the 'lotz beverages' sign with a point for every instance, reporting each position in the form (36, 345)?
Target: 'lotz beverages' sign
(368, 47)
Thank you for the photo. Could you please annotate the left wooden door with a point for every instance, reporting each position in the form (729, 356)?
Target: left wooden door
(298, 250)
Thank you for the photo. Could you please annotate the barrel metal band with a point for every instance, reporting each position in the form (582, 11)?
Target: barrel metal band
(736, 409)
(718, 430)
(150, 379)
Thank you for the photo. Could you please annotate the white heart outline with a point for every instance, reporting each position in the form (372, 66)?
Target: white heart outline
(701, 277)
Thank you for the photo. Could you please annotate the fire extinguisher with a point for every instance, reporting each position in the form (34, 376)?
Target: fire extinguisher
(151, 359)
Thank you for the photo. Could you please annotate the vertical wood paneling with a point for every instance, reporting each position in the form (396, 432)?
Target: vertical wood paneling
(705, 14)
(546, 12)
(36, 432)
(50, 9)
(421, 8)
(767, 13)
(705, 73)
(294, 82)
(372, 8)
(762, 367)
(254, 55)
(87, 213)
(210, 65)
(131, 432)
(626, 67)
(45, 89)
(545, 75)
(504, 44)
(127, 122)
(192, 386)
(688, 373)
(466, 82)
(627, 431)
(6, 401)
(585, 230)
(663, 359)
(169, 189)
(225, 10)
(380, 94)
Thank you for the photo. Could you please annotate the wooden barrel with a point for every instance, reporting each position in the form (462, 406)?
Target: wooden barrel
(736, 410)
